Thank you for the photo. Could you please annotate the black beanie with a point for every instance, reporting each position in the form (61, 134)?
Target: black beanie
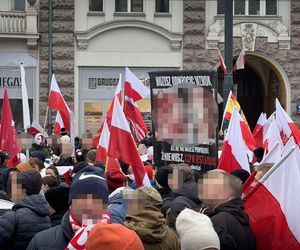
(31, 182)
(242, 174)
(58, 198)
(162, 176)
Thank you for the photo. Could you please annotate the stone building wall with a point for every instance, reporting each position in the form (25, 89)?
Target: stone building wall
(63, 51)
(195, 56)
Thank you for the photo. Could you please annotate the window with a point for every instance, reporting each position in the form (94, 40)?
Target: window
(162, 6)
(271, 7)
(250, 7)
(96, 5)
(129, 5)
(18, 5)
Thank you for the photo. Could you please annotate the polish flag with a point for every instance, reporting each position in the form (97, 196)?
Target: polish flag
(272, 136)
(58, 124)
(135, 91)
(240, 61)
(36, 128)
(103, 143)
(8, 137)
(258, 131)
(234, 154)
(285, 123)
(222, 63)
(123, 147)
(273, 205)
(57, 102)
(26, 113)
(291, 143)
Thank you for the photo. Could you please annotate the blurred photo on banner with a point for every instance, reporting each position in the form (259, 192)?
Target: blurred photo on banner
(184, 118)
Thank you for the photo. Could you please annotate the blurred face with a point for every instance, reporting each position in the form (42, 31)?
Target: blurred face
(16, 191)
(135, 202)
(257, 177)
(174, 180)
(87, 209)
(50, 172)
(212, 190)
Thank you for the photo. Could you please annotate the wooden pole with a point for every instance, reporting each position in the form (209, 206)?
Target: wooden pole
(45, 122)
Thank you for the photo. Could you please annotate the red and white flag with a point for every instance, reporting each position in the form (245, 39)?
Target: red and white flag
(291, 143)
(8, 137)
(240, 61)
(36, 128)
(234, 154)
(58, 124)
(272, 136)
(135, 91)
(57, 102)
(122, 146)
(273, 205)
(258, 131)
(222, 63)
(285, 124)
(103, 143)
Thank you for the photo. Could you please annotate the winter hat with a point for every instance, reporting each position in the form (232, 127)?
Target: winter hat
(63, 132)
(242, 174)
(58, 198)
(31, 182)
(89, 180)
(149, 171)
(4, 178)
(38, 154)
(162, 176)
(79, 166)
(196, 231)
(113, 236)
(115, 179)
(65, 139)
(23, 167)
(150, 153)
(39, 139)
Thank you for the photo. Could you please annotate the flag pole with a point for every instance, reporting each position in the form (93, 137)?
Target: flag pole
(224, 112)
(45, 122)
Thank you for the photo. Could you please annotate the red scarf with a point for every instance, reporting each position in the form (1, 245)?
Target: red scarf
(82, 231)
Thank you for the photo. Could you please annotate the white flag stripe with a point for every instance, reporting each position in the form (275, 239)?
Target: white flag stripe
(118, 117)
(26, 113)
(136, 84)
(284, 185)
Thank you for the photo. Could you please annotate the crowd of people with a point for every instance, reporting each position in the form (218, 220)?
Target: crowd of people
(92, 207)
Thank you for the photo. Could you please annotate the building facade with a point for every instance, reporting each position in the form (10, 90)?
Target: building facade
(93, 40)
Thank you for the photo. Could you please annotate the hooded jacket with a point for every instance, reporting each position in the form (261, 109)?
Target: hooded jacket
(116, 207)
(54, 238)
(186, 197)
(150, 225)
(27, 218)
(231, 223)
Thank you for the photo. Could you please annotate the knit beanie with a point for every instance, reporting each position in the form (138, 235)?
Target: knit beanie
(89, 180)
(31, 182)
(113, 237)
(115, 179)
(58, 198)
(38, 154)
(162, 176)
(196, 231)
(91, 155)
(23, 167)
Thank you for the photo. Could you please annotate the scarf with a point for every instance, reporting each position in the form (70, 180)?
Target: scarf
(82, 231)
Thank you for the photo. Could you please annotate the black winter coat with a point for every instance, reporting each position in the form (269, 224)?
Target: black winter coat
(168, 197)
(27, 218)
(186, 197)
(57, 217)
(231, 223)
(55, 238)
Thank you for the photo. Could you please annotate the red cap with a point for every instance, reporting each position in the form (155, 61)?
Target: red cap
(114, 179)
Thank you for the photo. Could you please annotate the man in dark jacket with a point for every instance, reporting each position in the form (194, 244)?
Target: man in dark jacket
(29, 215)
(163, 188)
(185, 191)
(88, 197)
(222, 192)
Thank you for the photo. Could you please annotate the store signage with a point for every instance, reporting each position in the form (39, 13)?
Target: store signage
(10, 82)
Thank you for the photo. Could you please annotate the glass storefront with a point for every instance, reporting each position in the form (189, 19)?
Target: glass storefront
(97, 87)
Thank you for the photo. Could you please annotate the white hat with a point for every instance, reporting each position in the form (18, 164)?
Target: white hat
(39, 139)
(150, 153)
(196, 231)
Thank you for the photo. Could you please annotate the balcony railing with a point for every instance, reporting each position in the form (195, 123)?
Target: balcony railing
(12, 22)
